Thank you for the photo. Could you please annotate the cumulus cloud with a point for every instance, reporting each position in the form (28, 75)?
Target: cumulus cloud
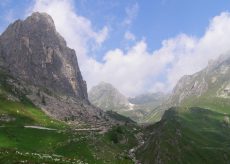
(194, 53)
(129, 71)
(137, 70)
(131, 13)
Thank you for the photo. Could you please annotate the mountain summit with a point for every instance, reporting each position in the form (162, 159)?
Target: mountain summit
(33, 51)
(107, 97)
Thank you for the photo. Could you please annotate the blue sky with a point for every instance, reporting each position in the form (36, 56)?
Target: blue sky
(164, 33)
(155, 20)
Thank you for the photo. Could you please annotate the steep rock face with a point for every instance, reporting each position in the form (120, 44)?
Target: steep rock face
(189, 85)
(34, 52)
(213, 81)
(39, 65)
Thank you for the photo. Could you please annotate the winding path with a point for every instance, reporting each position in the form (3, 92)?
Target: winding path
(39, 127)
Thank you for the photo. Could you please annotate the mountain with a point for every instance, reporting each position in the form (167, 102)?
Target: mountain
(33, 51)
(107, 97)
(196, 129)
(212, 82)
(209, 86)
(41, 65)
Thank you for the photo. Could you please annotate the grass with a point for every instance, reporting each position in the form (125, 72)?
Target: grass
(87, 147)
(25, 114)
(197, 132)
(63, 145)
(188, 135)
(154, 116)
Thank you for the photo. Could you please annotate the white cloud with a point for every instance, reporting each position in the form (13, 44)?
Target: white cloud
(129, 71)
(137, 70)
(196, 53)
(131, 13)
(129, 36)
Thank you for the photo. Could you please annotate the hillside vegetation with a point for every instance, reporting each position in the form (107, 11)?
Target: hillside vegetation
(188, 135)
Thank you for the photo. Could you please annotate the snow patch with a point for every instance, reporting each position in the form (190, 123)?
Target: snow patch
(131, 106)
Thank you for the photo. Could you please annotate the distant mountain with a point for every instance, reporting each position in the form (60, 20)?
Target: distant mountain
(107, 97)
(148, 98)
(147, 104)
(197, 128)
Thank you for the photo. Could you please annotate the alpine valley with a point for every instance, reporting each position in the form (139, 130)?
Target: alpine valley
(47, 115)
(108, 98)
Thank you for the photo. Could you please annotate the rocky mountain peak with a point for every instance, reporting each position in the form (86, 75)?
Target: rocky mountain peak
(41, 18)
(105, 95)
(32, 50)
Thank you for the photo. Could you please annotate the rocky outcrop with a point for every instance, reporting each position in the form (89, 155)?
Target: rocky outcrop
(188, 85)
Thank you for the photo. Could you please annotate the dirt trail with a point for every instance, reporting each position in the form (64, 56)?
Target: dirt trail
(39, 127)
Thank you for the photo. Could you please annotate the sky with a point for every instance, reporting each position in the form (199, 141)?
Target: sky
(139, 46)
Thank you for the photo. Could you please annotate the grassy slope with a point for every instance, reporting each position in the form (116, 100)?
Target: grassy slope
(197, 132)
(154, 116)
(190, 135)
(42, 146)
